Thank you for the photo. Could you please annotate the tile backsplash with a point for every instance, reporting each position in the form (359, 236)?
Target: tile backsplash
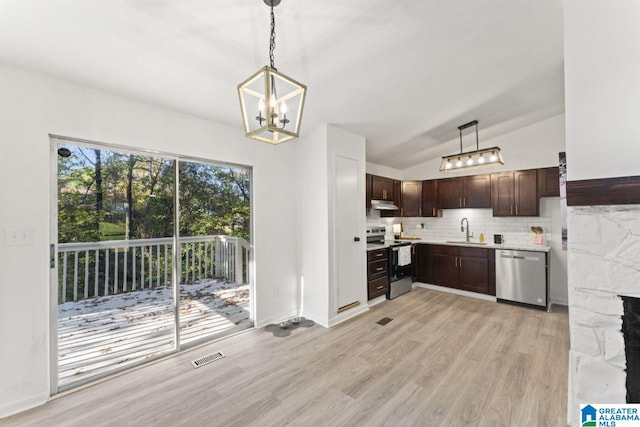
(515, 230)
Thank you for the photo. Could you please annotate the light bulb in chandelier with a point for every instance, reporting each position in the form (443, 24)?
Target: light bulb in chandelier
(260, 117)
(283, 110)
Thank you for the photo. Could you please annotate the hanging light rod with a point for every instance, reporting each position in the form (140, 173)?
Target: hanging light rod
(478, 157)
(271, 103)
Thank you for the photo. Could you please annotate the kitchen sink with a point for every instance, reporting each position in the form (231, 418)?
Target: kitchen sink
(462, 242)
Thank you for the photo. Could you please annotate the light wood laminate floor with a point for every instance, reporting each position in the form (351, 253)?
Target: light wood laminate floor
(444, 360)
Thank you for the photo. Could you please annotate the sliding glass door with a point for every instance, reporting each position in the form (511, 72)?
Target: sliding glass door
(150, 255)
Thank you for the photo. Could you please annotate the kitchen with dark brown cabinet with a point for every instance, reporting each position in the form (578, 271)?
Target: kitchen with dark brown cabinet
(443, 257)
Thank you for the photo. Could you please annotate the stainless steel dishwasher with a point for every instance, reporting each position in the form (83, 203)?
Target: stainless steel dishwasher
(522, 277)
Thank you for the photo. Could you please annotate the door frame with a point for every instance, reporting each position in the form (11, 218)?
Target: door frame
(53, 248)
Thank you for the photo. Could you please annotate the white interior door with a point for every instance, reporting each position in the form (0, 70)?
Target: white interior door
(348, 239)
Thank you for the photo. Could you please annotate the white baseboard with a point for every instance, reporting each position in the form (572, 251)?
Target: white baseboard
(12, 408)
(346, 315)
(456, 291)
(274, 319)
(377, 301)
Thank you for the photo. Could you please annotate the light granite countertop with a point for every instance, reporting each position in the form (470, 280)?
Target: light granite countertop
(508, 246)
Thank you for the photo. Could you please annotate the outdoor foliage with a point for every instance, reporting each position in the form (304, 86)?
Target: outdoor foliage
(104, 195)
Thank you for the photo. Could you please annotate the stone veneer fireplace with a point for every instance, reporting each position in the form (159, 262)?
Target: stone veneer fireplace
(604, 255)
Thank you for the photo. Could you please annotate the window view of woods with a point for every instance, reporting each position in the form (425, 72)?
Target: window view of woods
(105, 195)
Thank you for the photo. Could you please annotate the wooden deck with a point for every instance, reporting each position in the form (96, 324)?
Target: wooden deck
(100, 335)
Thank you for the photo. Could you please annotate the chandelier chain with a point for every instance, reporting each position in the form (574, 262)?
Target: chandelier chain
(272, 44)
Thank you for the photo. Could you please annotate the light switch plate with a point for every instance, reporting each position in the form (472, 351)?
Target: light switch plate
(16, 236)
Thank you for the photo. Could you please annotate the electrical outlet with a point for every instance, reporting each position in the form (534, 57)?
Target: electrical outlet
(16, 236)
(276, 292)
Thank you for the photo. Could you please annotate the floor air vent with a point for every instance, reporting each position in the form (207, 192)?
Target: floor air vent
(207, 359)
(384, 321)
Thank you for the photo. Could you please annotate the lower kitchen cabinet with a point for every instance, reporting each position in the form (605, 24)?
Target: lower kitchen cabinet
(443, 262)
(377, 272)
(421, 263)
(473, 265)
(459, 267)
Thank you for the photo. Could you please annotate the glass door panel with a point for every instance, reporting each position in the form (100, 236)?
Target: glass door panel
(214, 248)
(115, 250)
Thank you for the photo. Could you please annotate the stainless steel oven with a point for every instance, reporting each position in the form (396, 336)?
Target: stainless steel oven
(400, 268)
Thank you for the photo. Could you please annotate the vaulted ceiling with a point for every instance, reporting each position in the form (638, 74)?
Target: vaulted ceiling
(404, 74)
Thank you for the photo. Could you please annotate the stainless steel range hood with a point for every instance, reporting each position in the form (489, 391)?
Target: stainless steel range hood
(383, 205)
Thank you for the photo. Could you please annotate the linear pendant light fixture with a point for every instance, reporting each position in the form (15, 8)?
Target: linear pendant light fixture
(484, 157)
(271, 102)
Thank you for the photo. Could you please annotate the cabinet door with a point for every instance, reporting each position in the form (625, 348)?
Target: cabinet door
(411, 198)
(430, 198)
(502, 194)
(422, 263)
(526, 193)
(443, 268)
(477, 191)
(450, 192)
(381, 188)
(549, 182)
(473, 265)
(396, 199)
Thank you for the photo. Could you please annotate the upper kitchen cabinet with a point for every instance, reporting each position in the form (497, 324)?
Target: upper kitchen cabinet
(396, 199)
(465, 192)
(430, 198)
(515, 193)
(411, 205)
(368, 179)
(381, 188)
(549, 182)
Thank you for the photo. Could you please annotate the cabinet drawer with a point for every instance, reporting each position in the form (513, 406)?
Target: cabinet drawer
(377, 254)
(378, 287)
(378, 268)
(474, 252)
(444, 250)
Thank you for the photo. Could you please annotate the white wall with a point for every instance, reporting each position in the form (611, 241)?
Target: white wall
(602, 88)
(346, 144)
(375, 169)
(317, 240)
(530, 147)
(31, 107)
(313, 225)
(602, 100)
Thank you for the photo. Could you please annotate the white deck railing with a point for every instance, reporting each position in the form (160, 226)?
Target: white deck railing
(91, 269)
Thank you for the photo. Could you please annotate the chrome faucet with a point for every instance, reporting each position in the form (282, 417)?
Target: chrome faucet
(462, 227)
